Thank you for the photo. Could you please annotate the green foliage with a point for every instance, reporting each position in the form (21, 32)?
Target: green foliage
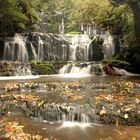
(64, 8)
(115, 16)
(132, 56)
(101, 14)
(118, 63)
(17, 15)
(46, 67)
(73, 32)
(11, 17)
(129, 59)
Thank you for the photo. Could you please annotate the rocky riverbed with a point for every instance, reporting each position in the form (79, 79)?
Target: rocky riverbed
(116, 103)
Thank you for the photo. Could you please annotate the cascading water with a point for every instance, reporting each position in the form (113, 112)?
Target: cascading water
(35, 46)
(68, 47)
(42, 46)
(15, 49)
(79, 48)
(23, 70)
(108, 45)
(82, 68)
(48, 47)
(62, 112)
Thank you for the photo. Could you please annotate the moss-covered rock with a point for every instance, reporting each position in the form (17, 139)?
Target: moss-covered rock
(118, 63)
(46, 67)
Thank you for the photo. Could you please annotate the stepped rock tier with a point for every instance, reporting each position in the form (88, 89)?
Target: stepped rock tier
(35, 46)
(46, 46)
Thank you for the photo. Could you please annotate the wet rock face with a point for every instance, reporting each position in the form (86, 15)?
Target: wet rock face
(67, 102)
(121, 113)
(109, 70)
(6, 68)
(96, 49)
(104, 113)
(47, 46)
(35, 46)
(9, 68)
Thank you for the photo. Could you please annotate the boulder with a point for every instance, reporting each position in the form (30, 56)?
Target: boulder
(6, 68)
(109, 70)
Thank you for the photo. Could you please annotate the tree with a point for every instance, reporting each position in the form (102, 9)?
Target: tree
(16, 15)
(101, 14)
(135, 8)
(11, 17)
(28, 9)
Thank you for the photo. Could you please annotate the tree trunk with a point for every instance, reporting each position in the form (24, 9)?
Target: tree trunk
(136, 13)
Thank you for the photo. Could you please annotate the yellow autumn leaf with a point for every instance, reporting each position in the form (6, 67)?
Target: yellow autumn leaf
(133, 138)
(41, 103)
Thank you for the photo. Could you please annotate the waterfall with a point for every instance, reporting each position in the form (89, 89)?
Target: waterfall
(63, 112)
(82, 68)
(23, 70)
(123, 72)
(15, 49)
(35, 56)
(108, 45)
(49, 46)
(40, 49)
(42, 46)
(79, 48)
(62, 27)
(36, 46)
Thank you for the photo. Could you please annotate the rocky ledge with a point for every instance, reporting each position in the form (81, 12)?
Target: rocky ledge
(121, 108)
(6, 68)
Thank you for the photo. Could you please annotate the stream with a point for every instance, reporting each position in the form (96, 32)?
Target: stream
(73, 108)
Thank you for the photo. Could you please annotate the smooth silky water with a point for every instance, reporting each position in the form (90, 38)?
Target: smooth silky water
(69, 91)
(68, 112)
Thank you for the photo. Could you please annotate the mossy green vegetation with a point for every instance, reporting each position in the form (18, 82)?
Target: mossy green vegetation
(132, 56)
(46, 67)
(128, 59)
(73, 32)
(118, 63)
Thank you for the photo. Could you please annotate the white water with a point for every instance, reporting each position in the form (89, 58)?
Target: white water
(40, 54)
(23, 70)
(79, 48)
(68, 124)
(15, 49)
(108, 45)
(35, 56)
(19, 77)
(66, 113)
(85, 68)
(41, 46)
(124, 72)
(35, 46)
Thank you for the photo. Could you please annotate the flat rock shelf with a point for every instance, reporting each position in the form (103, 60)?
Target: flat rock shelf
(55, 109)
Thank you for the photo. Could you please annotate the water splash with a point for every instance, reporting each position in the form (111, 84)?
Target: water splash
(85, 68)
(124, 72)
(62, 112)
(23, 70)
(68, 124)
